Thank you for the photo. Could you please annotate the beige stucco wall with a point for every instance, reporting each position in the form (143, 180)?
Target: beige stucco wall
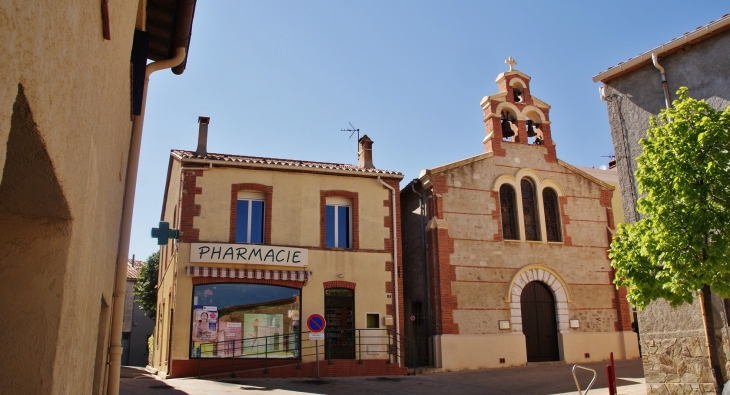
(574, 346)
(295, 222)
(458, 352)
(296, 201)
(77, 88)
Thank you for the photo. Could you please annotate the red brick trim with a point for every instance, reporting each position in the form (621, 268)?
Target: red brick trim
(339, 284)
(268, 191)
(564, 220)
(606, 196)
(189, 210)
(551, 156)
(497, 215)
(323, 195)
(619, 302)
(218, 280)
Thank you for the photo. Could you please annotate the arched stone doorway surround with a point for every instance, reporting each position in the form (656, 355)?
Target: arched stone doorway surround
(553, 280)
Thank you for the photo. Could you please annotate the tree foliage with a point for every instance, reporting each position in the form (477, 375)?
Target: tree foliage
(145, 289)
(682, 242)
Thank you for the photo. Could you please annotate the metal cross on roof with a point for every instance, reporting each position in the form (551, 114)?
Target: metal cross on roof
(163, 234)
(511, 62)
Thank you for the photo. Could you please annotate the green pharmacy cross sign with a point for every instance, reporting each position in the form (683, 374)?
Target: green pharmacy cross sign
(163, 234)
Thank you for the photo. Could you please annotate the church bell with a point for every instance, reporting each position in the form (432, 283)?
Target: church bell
(530, 129)
(507, 128)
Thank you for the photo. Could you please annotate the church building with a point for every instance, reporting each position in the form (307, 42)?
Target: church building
(505, 252)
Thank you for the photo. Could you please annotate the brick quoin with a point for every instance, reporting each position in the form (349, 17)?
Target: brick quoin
(619, 302)
(323, 195)
(565, 220)
(188, 209)
(390, 309)
(606, 196)
(339, 284)
(268, 192)
(497, 215)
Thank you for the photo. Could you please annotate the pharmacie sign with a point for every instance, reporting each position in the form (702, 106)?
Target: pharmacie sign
(248, 254)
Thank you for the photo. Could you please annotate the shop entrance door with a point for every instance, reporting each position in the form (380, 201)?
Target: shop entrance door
(339, 310)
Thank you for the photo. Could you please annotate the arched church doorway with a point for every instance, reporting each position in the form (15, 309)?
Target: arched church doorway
(539, 323)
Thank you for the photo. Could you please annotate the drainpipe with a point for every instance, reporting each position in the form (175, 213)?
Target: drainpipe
(395, 272)
(424, 257)
(655, 59)
(115, 341)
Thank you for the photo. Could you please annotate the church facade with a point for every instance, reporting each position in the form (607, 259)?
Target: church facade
(505, 253)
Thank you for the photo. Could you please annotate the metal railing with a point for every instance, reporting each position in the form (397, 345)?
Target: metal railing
(274, 351)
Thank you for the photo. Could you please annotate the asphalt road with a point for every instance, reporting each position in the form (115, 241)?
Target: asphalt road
(542, 379)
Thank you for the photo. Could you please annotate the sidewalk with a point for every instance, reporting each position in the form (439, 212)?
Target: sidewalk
(553, 379)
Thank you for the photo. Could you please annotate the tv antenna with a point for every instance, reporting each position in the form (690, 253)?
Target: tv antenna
(352, 131)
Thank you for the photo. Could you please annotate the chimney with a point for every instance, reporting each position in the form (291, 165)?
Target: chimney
(365, 152)
(202, 136)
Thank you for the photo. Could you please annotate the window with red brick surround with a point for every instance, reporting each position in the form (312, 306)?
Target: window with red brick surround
(268, 191)
(323, 195)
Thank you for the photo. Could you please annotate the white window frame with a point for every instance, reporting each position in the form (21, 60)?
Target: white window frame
(253, 196)
(340, 202)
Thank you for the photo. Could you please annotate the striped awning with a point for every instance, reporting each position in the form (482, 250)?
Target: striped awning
(202, 271)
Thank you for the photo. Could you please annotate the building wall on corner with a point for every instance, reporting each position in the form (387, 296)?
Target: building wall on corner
(634, 97)
(413, 270)
(672, 339)
(295, 222)
(78, 89)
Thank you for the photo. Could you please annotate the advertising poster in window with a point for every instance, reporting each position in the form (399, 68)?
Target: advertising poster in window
(205, 329)
(229, 339)
(264, 336)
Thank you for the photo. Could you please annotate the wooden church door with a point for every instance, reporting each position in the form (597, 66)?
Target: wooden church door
(538, 323)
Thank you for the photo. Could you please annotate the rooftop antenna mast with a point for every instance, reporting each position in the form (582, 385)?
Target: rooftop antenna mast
(352, 131)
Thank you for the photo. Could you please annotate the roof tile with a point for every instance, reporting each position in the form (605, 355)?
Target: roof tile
(281, 162)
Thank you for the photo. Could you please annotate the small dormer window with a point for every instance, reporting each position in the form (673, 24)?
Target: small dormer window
(518, 94)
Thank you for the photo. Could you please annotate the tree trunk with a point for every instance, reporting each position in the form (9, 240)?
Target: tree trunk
(709, 323)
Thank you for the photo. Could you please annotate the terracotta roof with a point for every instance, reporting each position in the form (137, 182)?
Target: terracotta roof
(133, 269)
(696, 35)
(254, 160)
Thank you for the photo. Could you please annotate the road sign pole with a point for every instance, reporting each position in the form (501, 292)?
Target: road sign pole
(316, 352)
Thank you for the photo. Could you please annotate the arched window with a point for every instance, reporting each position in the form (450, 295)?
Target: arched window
(529, 210)
(509, 212)
(552, 214)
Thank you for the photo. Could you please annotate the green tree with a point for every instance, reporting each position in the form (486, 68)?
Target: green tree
(679, 249)
(145, 289)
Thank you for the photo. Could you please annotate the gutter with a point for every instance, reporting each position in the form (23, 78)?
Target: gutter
(711, 27)
(115, 340)
(655, 60)
(395, 272)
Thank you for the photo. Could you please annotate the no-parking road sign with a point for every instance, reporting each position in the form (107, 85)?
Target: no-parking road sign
(316, 323)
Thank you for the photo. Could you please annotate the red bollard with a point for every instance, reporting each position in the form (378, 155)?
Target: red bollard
(613, 374)
(609, 377)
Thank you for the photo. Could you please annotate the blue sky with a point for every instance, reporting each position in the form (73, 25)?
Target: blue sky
(281, 78)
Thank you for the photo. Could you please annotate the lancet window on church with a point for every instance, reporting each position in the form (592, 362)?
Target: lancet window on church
(552, 214)
(508, 207)
(530, 210)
